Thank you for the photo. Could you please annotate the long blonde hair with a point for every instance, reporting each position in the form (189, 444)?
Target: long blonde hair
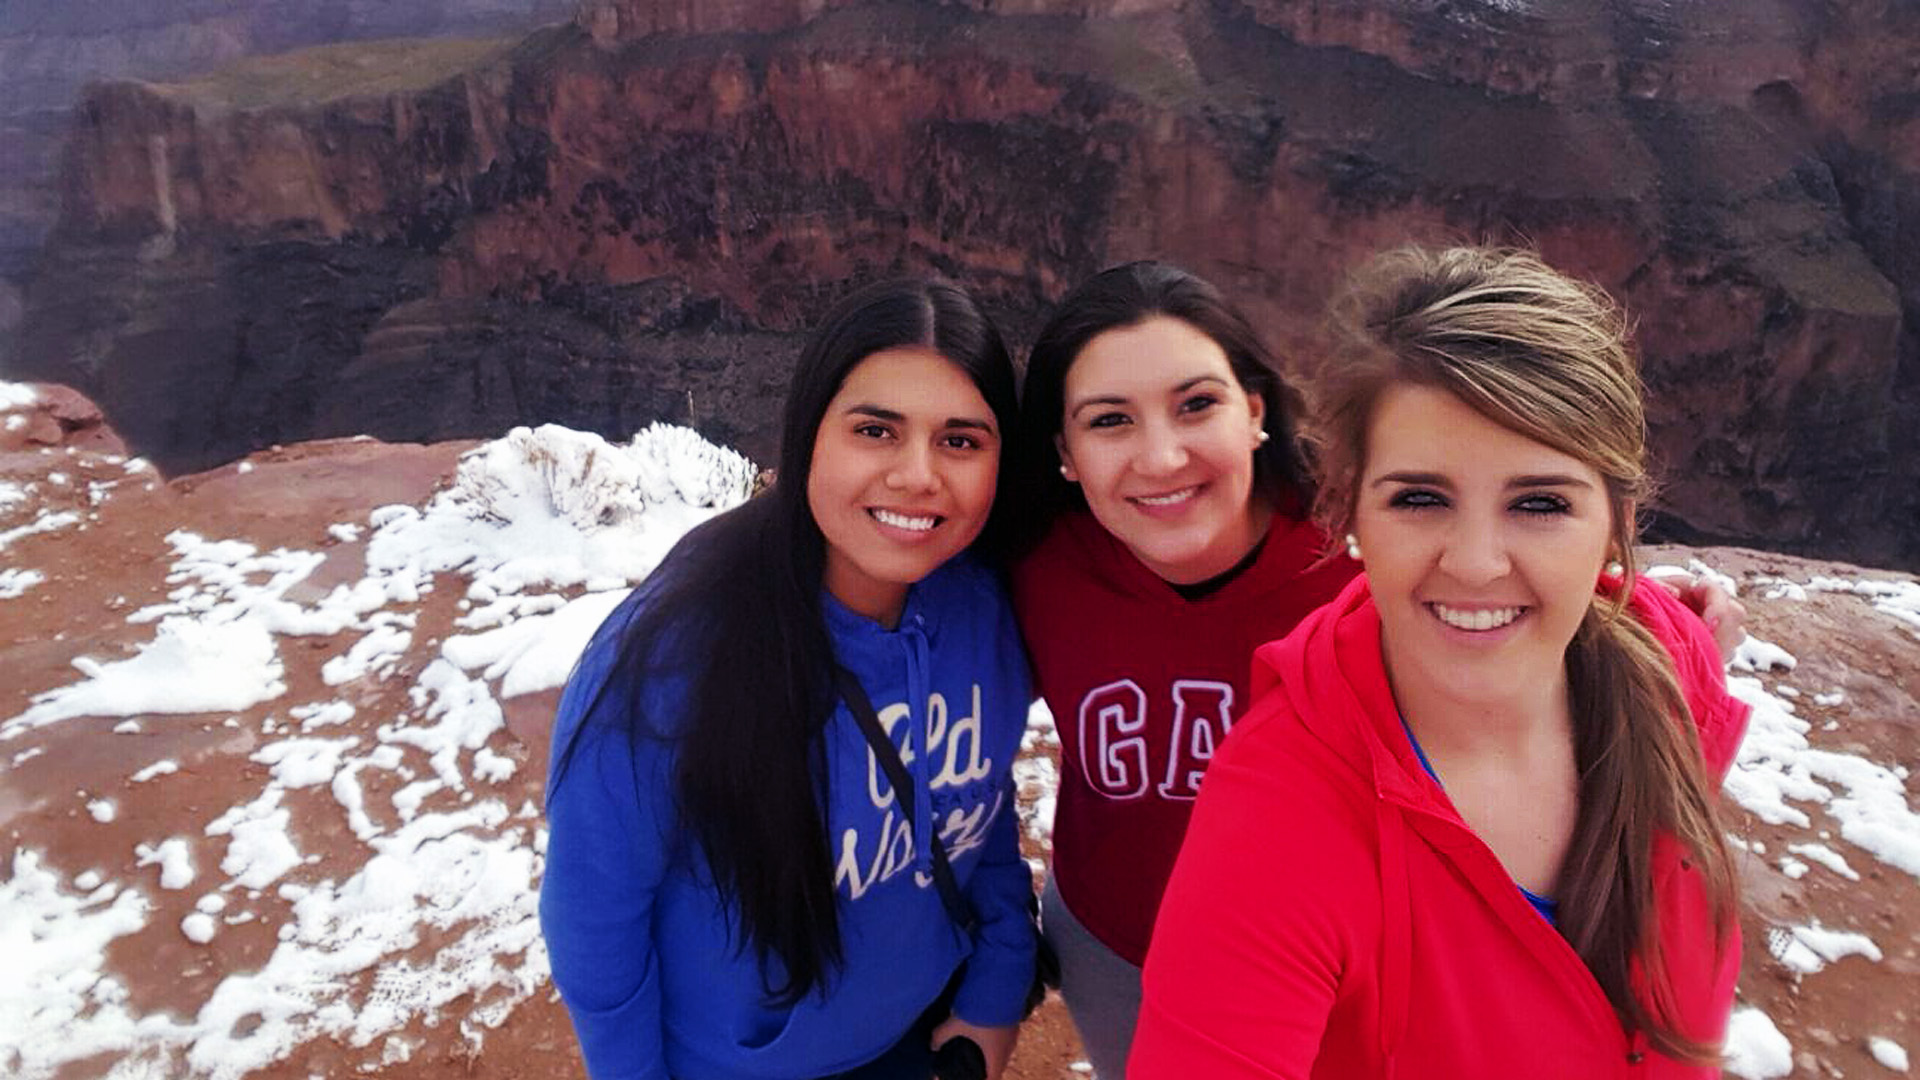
(1547, 357)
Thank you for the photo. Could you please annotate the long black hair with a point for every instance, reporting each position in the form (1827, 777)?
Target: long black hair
(734, 610)
(1125, 296)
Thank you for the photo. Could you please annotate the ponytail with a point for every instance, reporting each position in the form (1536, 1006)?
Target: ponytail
(1641, 772)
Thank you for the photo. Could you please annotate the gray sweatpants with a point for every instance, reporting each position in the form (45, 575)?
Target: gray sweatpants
(1101, 988)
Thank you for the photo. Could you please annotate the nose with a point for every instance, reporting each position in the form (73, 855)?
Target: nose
(913, 470)
(1162, 451)
(1476, 551)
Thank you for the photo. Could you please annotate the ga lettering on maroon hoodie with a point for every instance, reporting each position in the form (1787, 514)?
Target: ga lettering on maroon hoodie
(1331, 915)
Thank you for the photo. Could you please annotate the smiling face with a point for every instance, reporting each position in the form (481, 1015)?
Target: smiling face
(904, 466)
(1481, 547)
(1160, 437)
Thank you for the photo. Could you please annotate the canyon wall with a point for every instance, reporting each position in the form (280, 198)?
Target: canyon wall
(50, 49)
(633, 216)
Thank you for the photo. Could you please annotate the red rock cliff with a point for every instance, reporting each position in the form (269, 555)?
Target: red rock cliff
(629, 217)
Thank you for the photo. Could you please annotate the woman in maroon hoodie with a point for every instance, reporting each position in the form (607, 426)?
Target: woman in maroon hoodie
(1467, 828)
(1175, 542)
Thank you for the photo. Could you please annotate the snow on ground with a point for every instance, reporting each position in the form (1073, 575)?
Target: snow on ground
(14, 582)
(1888, 1053)
(530, 520)
(1036, 777)
(1755, 1048)
(56, 998)
(46, 521)
(15, 395)
(1779, 776)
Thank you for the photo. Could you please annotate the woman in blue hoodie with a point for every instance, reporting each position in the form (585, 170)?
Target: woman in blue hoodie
(732, 889)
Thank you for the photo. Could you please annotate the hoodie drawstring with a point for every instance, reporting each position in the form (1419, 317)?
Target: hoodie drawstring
(919, 715)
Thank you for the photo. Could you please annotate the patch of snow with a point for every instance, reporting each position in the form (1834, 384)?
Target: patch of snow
(48, 521)
(1888, 1053)
(560, 507)
(1808, 949)
(198, 927)
(491, 767)
(1755, 1048)
(190, 666)
(335, 973)
(14, 582)
(466, 715)
(158, 768)
(17, 395)
(174, 856)
(299, 763)
(57, 995)
(536, 653)
(1777, 764)
(103, 810)
(1826, 857)
(1753, 654)
(322, 714)
(375, 654)
(1900, 599)
(259, 849)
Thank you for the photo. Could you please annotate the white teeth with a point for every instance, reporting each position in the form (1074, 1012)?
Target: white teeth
(902, 521)
(1482, 619)
(1166, 500)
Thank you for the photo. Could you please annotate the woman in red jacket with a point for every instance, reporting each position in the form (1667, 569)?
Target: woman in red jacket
(1467, 828)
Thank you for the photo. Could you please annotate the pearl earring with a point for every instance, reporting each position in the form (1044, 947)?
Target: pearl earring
(1353, 547)
(1615, 569)
(1265, 435)
(1065, 473)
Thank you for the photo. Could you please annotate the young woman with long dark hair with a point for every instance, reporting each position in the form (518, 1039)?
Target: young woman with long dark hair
(1173, 507)
(732, 889)
(1467, 827)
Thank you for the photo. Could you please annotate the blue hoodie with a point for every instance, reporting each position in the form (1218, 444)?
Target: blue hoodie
(645, 959)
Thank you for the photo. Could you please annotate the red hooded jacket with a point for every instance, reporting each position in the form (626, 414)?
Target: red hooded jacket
(1331, 915)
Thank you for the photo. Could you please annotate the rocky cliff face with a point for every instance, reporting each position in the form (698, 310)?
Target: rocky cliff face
(49, 49)
(631, 216)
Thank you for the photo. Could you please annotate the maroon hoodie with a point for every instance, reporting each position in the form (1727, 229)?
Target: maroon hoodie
(1331, 915)
(1143, 685)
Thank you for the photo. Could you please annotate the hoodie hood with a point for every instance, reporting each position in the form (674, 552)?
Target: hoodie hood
(1333, 674)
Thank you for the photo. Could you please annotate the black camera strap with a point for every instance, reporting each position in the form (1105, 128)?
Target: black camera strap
(888, 756)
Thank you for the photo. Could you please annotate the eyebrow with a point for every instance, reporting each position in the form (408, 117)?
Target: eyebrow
(894, 416)
(1121, 399)
(1532, 480)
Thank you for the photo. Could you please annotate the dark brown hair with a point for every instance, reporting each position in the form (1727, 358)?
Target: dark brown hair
(734, 612)
(1128, 295)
